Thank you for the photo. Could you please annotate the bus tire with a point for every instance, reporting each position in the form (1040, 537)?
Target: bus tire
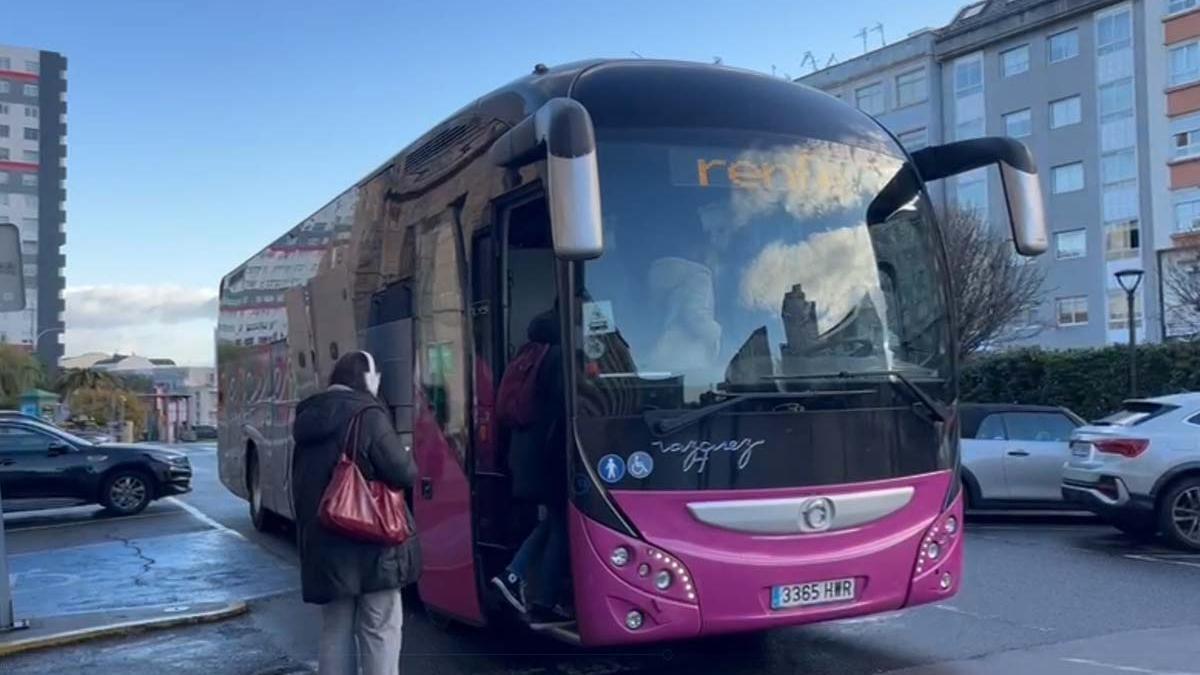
(260, 516)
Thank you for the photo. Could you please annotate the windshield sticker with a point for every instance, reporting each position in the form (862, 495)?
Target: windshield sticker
(612, 468)
(593, 347)
(696, 453)
(641, 464)
(598, 318)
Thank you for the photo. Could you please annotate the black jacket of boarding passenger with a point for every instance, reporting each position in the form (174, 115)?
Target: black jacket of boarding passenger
(332, 566)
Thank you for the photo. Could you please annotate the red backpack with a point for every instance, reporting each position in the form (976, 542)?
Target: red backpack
(516, 400)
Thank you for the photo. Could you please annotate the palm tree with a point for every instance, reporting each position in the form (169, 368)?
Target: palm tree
(19, 372)
(86, 378)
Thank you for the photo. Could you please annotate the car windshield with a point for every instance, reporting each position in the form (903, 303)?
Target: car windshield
(741, 261)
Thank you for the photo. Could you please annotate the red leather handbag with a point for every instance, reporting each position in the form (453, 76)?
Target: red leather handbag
(356, 508)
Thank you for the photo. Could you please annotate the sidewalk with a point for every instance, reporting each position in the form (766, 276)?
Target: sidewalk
(130, 585)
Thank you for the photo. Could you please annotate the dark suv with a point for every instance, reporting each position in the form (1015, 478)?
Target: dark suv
(42, 466)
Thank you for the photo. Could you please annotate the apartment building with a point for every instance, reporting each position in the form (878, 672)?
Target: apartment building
(1173, 68)
(1069, 79)
(32, 194)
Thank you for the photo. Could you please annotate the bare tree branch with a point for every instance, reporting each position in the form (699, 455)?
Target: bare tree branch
(1181, 299)
(994, 291)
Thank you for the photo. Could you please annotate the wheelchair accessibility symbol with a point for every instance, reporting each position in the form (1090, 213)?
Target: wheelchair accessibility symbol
(640, 464)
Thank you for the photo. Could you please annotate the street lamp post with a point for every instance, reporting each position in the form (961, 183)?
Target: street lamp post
(1129, 281)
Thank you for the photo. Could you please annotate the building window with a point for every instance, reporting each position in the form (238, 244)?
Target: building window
(30, 156)
(1065, 112)
(1184, 64)
(1118, 167)
(1177, 6)
(31, 111)
(1187, 143)
(4, 154)
(30, 90)
(3, 177)
(914, 140)
(3, 108)
(5, 87)
(1018, 124)
(5, 63)
(968, 76)
(1070, 244)
(1187, 216)
(31, 134)
(1113, 31)
(869, 99)
(971, 191)
(3, 199)
(1014, 61)
(1118, 309)
(1072, 311)
(1066, 178)
(4, 131)
(29, 179)
(1121, 240)
(911, 88)
(1063, 46)
(32, 66)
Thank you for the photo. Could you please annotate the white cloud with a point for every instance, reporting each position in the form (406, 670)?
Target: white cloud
(116, 306)
(166, 321)
(834, 268)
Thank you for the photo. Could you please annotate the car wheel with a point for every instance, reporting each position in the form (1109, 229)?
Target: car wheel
(259, 515)
(1179, 513)
(127, 492)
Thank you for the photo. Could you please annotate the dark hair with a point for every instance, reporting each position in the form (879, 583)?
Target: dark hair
(350, 371)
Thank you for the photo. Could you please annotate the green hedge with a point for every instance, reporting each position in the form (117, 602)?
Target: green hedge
(1092, 382)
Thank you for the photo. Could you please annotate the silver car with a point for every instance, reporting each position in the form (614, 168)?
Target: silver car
(1013, 455)
(1139, 468)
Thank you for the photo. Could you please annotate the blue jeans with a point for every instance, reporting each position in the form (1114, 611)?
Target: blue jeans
(545, 553)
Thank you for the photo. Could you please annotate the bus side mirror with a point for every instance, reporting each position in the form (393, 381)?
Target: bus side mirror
(562, 132)
(1018, 176)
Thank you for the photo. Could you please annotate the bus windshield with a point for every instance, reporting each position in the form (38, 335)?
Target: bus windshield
(739, 261)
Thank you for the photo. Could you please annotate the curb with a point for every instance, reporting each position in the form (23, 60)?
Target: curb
(129, 627)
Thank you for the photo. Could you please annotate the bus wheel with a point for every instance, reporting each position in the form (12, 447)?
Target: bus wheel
(259, 515)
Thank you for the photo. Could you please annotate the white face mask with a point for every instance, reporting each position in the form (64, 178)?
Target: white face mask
(372, 376)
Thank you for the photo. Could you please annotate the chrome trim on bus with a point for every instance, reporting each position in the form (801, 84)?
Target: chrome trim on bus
(793, 515)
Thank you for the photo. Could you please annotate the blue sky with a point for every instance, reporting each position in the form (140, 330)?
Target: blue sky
(199, 130)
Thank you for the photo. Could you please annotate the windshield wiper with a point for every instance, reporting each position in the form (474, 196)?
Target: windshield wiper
(935, 408)
(664, 427)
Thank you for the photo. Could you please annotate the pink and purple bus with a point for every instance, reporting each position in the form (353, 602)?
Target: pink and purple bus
(760, 388)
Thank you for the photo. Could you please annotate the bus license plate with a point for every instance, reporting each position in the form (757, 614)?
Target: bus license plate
(814, 593)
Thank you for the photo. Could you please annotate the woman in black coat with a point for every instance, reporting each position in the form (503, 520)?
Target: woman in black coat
(358, 584)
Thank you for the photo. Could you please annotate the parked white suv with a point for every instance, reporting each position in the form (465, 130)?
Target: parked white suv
(1139, 468)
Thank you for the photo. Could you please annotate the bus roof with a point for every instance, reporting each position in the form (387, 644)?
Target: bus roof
(651, 93)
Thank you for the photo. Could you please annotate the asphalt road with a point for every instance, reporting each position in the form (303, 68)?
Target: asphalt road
(1042, 595)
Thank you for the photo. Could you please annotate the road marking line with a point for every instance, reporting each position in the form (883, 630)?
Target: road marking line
(204, 518)
(991, 617)
(16, 527)
(1151, 558)
(1127, 669)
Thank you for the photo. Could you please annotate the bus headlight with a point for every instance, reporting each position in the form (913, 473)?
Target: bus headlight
(932, 551)
(662, 580)
(633, 620)
(619, 557)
